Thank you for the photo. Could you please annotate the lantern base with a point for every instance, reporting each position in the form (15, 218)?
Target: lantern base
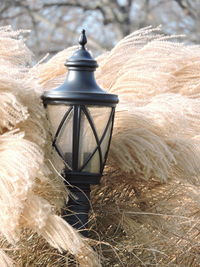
(78, 206)
(81, 177)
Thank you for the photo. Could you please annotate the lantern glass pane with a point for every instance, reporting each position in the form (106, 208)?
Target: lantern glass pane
(94, 164)
(100, 116)
(64, 139)
(105, 142)
(55, 114)
(87, 141)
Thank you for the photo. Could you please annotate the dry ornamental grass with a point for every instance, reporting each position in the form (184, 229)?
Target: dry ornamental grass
(146, 210)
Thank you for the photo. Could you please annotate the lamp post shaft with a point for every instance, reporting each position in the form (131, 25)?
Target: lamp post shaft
(78, 207)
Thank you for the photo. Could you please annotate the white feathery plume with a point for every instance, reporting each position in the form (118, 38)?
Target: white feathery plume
(5, 261)
(28, 188)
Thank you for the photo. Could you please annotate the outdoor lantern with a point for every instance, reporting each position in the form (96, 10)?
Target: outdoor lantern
(81, 115)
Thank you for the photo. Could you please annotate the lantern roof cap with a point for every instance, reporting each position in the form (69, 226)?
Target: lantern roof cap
(83, 39)
(80, 87)
(81, 58)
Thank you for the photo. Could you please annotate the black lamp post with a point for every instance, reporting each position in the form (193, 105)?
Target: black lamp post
(82, 116)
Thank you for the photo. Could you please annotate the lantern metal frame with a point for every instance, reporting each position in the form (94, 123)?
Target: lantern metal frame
(75, 173)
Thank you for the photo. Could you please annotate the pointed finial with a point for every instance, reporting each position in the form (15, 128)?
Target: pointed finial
(83, 39)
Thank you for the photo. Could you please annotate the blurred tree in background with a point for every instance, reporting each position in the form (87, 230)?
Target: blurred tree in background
(56, 24)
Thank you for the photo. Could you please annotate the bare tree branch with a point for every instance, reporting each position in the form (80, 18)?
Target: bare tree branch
(186, 8)
(55, 24)
(111, 13)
